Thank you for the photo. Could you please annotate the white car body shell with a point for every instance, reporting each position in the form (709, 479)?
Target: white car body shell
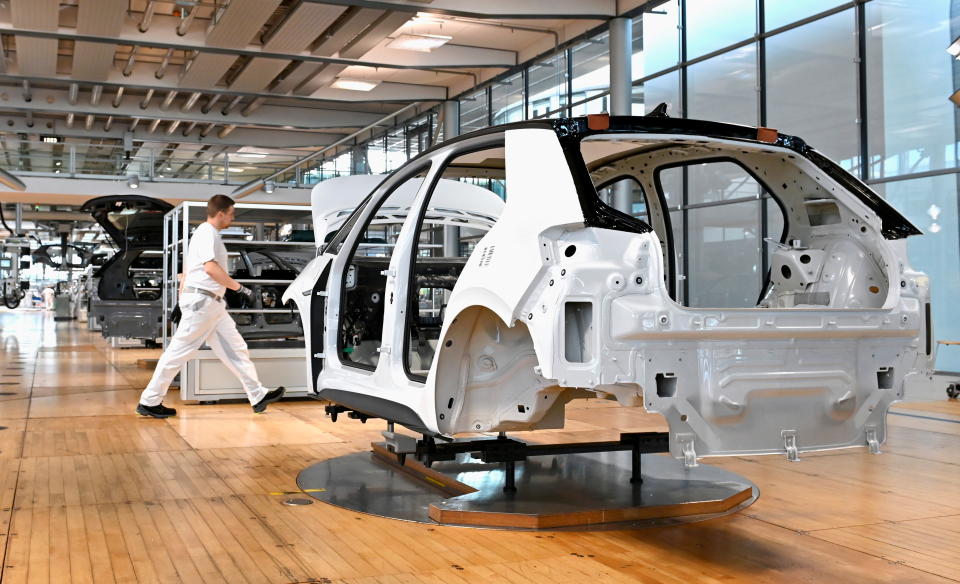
(530, 326)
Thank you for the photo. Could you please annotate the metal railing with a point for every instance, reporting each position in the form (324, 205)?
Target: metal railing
(159, 164)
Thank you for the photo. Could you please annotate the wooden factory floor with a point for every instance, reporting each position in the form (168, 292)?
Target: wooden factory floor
(89, 492)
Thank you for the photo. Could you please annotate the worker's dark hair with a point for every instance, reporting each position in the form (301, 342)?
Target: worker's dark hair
(218, 203)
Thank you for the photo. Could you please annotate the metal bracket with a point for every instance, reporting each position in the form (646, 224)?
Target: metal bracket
(873, 443)
(790, 444)
(686, 442)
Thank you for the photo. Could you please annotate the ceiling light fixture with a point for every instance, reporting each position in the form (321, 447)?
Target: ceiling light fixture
(133, 182)
(354, 84)
(428, 18)
(269, 186)
(423, 43)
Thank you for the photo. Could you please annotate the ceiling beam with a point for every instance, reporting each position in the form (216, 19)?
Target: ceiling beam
(509, 9)
(505, 59)
(387, 91)
(57, 101)
(240, 137)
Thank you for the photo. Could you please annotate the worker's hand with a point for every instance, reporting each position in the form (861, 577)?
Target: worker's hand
(246, 292)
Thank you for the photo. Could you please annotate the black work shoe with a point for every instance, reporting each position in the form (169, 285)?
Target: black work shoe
(271, 397)
(160, 411)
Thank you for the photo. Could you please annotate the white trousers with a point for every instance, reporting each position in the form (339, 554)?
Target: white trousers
(204, 320)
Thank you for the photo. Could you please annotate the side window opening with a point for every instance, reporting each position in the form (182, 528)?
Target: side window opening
(360, 333)
(637, 196)
(730, 227)
(460, 210)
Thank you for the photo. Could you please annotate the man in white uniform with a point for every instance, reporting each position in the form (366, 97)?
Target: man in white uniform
(205, 318)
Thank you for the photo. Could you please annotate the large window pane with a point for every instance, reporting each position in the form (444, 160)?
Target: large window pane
(714, 24)
(713, 182)
(473, 111)
(931, 205)
(812, 86)
(657, 47)
(507, 100)
(777, 13)
(663, 89)
(724, 88)
(723, 249)
(910, 75)
(547, 85)
(591, 74)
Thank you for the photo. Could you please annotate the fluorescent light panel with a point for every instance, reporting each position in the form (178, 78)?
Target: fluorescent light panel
(354, 84)
(423, 43)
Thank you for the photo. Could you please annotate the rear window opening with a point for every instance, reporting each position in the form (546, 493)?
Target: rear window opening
(740, 226)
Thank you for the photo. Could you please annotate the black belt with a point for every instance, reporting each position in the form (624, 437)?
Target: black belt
(204, 292)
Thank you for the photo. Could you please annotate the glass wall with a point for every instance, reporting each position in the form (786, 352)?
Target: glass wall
(867, 85)
(812, 86)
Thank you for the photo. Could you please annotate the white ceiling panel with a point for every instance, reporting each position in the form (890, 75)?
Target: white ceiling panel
(257, 74)
(239, 22)
(99, 18)
(206, 70)
(36, 57)
(302, 27)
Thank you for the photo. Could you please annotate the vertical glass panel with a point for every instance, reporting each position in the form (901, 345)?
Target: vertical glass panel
(653, 92)
(547, 83)
(714, 24)
(658, 45)
(473, 111)
(591, 74)
(507, 99)
(719, 181)
(931, 204)
(724, 88)
(377, 156)
(777, 13)
(812, 86)
(913, 127)
(396, 150)
(723, 249)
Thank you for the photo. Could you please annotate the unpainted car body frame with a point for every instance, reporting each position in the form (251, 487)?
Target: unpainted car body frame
(566, 297)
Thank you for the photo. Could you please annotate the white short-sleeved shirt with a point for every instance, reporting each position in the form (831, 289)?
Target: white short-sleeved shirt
(205, 245)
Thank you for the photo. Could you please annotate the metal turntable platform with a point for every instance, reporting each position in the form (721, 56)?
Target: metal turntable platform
(568, 491)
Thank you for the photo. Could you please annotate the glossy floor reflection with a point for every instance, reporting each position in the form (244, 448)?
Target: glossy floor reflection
(89, 492)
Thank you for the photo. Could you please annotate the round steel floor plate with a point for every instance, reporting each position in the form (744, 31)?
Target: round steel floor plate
(545, 485)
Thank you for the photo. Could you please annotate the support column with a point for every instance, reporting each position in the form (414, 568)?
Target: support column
(621, 93)
(17, 230)
(451, 129)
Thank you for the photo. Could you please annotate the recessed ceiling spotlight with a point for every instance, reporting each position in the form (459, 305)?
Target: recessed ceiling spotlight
(423, 43)
(133, 182)
(269, 186)
(354, 84)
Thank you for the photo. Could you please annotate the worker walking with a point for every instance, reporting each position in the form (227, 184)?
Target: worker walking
(205, 318)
